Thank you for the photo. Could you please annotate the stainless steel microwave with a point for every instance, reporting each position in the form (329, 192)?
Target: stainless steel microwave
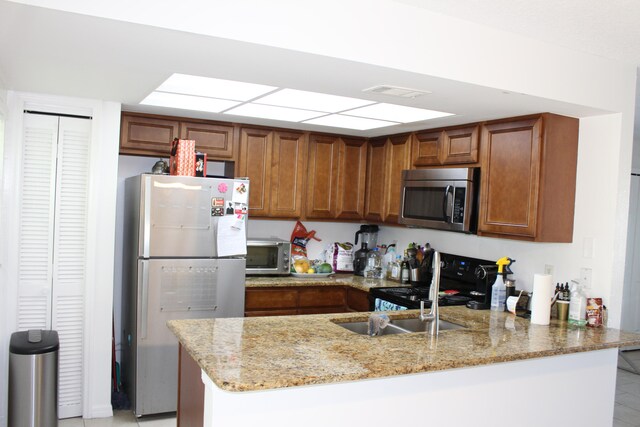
(443, 198)
(267, 257)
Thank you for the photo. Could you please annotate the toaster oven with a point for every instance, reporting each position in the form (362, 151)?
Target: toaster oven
(268, 257)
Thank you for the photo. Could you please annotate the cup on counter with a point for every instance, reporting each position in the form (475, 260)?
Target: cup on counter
(563, 310)
(415, 275)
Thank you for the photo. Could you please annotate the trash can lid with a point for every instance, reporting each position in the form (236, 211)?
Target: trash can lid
(34, 341)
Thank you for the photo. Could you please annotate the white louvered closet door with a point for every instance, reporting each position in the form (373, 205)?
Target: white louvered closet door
(65, 229)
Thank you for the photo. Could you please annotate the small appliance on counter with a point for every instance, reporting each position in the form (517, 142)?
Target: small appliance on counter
(458, 285)
(268, 257)
(369, 238)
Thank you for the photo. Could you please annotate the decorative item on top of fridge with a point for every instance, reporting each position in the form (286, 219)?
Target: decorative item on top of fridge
(185, 160)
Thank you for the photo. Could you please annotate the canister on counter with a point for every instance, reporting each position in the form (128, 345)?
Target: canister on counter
(510, 284)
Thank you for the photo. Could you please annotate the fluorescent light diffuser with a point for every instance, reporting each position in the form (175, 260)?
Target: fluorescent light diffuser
(188, 102)
(396, 113)
(349, 122)
(272, 112)
(213, 88)
(311, 101)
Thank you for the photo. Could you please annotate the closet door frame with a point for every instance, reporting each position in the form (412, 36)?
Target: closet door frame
(100, 236)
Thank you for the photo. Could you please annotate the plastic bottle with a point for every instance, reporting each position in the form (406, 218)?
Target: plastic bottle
(499, 290)
(373, 267)
(578, 305)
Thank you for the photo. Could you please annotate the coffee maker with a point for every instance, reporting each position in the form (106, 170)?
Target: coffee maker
(369, 237)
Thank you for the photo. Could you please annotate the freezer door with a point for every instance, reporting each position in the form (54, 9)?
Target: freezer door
(177, 289)
(177, 215)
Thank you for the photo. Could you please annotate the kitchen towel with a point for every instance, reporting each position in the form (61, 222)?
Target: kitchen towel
(541, 300)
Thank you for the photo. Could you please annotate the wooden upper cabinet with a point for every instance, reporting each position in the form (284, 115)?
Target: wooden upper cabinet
(150, 135)
(256, 146)
(446, 146)
(375, 180)
(336, 177)
(427, 148)
(528, 178)
(322, 176)
(352, 173)
(147, 135)
(398, 159)
(288, 163)
(214, 139)
(460, 145)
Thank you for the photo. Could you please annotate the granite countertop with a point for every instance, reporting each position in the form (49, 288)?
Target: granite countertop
(337, 279)
(260, 353)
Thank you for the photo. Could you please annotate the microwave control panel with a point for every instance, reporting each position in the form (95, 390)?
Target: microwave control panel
(458, 205)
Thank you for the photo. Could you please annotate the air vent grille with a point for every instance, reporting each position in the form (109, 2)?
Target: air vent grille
(401, 92)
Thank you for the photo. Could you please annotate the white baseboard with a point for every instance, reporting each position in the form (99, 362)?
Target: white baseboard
(99, 411)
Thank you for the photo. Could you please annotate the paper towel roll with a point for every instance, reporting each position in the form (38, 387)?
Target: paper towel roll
(541, 300)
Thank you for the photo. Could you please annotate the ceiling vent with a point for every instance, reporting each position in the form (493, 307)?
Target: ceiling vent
(401, 92)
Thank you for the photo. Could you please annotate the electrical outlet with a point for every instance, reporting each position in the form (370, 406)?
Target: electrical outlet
(585, 277)
(548, 269)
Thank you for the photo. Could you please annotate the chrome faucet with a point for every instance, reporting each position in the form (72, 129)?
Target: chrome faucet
(433, 316)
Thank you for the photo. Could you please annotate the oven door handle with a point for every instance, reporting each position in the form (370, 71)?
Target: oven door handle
(445, 203)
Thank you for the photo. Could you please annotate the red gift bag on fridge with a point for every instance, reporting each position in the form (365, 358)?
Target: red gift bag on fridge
(183, 157)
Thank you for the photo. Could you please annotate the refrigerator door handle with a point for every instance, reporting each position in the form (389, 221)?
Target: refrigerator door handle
(146, 211)
(144, 298)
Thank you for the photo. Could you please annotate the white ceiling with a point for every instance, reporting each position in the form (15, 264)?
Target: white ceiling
(49, 51)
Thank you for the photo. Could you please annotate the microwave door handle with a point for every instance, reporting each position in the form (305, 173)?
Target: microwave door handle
(445, 203)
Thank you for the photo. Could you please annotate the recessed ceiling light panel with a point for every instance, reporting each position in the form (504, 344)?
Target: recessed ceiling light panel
(349, 122)
(214, 88)
(396, 113)
(274, 113)
(312, 101)
(188, 102)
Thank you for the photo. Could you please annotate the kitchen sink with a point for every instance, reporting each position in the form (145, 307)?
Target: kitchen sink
(399, 326)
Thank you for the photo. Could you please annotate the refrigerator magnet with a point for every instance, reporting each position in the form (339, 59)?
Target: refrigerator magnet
(240, 191)
(217, 211)
(240, 208)
(217, 202)
(222, 187)
(230, 209)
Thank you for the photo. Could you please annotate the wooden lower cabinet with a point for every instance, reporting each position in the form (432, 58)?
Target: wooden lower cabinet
(281, 301)
(190, 391)
(357, 300)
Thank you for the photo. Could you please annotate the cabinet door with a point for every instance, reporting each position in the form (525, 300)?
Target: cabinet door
(510, 177)
(322, 176)
(147, 135)
(214, 139)
(287, 174)
(255, 162)
(460, 145)
(427, 148)
(375, 182)
(357, 300)
(270, 299)
(399, 159)
(352, 166)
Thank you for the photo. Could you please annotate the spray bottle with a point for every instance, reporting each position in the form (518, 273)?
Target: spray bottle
(499, 290)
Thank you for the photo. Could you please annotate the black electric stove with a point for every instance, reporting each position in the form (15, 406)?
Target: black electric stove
(458, 281)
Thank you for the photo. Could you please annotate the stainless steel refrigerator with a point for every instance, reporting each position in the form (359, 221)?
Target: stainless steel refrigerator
(185, 248)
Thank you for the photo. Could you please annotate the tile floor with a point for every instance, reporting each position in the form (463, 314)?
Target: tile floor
(626, 412)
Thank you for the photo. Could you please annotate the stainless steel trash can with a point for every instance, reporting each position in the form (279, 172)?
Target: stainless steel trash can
(33, 379)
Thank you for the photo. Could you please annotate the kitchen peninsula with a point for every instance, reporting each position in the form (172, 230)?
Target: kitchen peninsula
(499, 370)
